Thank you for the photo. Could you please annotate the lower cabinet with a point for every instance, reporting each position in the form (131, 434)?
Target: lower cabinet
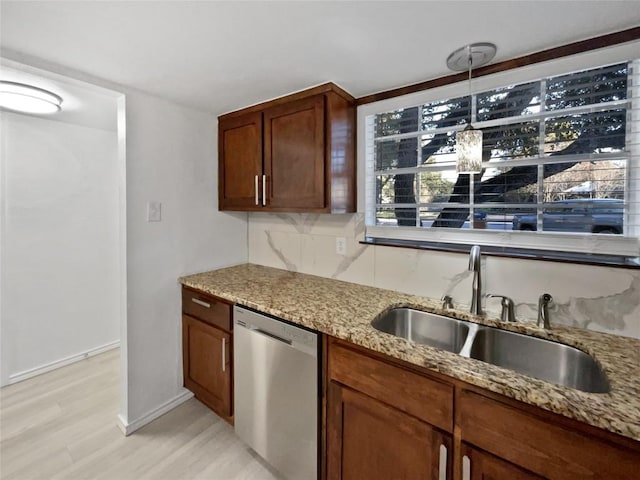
(538, 443)
(479, 465)
(371, 440)
(387, 420)
(206, 354)
(207, 372)
(378, 420)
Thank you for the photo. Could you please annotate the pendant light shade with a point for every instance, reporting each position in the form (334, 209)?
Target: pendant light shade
(28, 99)
(469, 140)
(469, 149)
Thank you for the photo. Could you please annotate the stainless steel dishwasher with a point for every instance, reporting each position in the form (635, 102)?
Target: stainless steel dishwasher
(276, 392)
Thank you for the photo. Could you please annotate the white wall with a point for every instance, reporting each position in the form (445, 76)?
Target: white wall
(606, 299)
(60, 286)
(171, 158)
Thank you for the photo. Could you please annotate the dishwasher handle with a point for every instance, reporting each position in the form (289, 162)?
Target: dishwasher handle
(276, 330)
(271, 335)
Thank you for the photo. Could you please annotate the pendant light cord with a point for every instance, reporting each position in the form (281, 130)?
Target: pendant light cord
(470, 66)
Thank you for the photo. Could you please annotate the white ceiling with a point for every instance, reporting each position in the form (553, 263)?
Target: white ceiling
(220, 56)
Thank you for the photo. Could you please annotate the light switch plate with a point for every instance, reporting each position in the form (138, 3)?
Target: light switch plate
(341, 245)
(154, 212)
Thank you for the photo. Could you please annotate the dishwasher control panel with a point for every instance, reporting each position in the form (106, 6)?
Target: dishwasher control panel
(276, 329)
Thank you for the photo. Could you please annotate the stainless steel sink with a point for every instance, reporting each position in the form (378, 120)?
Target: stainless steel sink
(423, 327)
(550, 361)
(539, 358)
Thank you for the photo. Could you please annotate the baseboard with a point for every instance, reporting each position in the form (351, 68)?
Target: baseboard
(129, 427)
(20, 376)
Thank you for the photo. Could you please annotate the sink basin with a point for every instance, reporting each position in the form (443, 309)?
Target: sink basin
(424, 327)
(550, 361)
(539, 358)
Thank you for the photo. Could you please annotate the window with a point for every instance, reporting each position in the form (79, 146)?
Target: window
(560, 163)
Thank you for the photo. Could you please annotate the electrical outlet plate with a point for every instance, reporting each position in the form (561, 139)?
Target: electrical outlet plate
(341, 245)
(154, 212)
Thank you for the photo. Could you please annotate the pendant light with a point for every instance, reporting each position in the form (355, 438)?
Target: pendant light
(28, 99)
(469, 140)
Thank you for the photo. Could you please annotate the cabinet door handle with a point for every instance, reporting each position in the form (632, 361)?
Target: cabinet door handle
(466, 468)
(264, 190)
(201, 303)
(224, 357)
(442, 468)
(257, 196)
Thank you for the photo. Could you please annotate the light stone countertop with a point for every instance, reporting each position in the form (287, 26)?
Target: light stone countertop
(345, 310)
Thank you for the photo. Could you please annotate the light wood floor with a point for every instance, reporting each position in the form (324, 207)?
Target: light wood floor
(62, 426)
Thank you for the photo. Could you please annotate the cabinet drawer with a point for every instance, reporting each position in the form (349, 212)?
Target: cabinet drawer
(547, 449)
(422, 397)
(206, 308)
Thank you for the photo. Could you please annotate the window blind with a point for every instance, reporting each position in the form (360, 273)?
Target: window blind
(561, 169)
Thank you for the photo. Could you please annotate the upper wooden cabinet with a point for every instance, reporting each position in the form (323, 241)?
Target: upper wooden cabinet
(293, 154)
(240, 151)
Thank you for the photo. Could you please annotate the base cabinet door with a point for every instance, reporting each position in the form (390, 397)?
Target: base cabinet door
(206, 362)
(479, 465)
(551, 450)
(368, 439)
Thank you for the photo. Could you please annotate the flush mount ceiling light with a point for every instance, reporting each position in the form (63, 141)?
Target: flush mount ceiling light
(469, 140)
(27, 98)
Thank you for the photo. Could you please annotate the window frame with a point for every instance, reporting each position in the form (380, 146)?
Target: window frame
(628, 245)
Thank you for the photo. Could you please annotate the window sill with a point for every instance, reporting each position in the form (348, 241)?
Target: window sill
(510, 252)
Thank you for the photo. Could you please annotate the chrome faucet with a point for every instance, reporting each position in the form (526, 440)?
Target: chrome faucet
(543, 310)
(508, 313)
(476, 286)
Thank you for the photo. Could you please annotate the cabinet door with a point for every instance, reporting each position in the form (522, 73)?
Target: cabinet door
(549, 449)
(369, 439)
(479, 465)
(206, 363)
(294, 156)
(240, 162)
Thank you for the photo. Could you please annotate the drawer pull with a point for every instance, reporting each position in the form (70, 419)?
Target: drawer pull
(466, 468)
(201, 303)
(224, 356)
(442, 468)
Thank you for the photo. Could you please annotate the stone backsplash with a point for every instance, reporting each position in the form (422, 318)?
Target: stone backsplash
(605, 299)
